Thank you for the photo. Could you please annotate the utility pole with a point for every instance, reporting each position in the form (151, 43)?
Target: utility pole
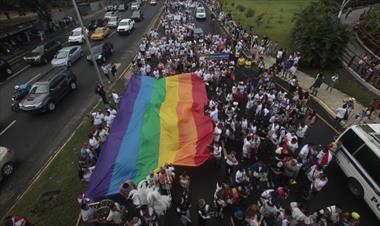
(342, 6)
(88, 43)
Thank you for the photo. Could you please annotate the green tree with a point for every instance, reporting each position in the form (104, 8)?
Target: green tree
(371, 21)
(319, 35)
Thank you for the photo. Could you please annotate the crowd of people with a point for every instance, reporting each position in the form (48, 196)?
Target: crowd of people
(267, 173)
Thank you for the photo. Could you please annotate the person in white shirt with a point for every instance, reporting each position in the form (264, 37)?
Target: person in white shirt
(116, 214)
(97, 118)
(301, 131)
(297, 214)
(247, 147)
(304, 153)
(217, 132)
(341, 113)
(108, 119)
(115, 98)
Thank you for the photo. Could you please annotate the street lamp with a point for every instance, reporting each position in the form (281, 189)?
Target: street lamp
(88, 43)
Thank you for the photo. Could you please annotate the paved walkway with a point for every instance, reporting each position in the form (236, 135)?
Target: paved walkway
(331, 101)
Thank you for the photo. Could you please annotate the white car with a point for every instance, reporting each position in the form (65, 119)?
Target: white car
(125, 26)
(112, 21)
(135, 6)
(108, 15)
(121, 7)
(153, 2)
(200, 12)
(77, 36)
(6, 162)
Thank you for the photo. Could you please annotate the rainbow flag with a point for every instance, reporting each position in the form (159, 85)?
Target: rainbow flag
(159, 121)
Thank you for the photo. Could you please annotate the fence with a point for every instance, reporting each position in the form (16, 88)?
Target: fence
(369, 71)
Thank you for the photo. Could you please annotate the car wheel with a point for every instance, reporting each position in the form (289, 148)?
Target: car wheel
(73, 85)
(355, 188)
(7, 169)
(8, 71)
(51, 106)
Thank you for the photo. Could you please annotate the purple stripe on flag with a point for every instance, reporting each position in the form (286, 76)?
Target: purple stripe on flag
(99, 185)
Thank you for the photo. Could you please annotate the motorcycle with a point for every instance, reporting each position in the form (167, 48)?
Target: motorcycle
(19, 94)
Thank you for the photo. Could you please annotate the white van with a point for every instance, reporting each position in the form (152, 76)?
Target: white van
(77, 36)
(358, 154)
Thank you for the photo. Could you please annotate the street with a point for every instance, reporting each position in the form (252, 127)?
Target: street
(35, 137)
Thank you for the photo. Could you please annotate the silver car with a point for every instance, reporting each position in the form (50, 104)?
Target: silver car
(67, 56)
(6, 162)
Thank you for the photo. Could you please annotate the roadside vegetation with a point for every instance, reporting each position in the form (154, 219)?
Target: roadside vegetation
(273, 18)
(51, 200)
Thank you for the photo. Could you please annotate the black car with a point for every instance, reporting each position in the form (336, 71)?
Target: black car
(101, 52)
(96, 23)
(5, 70)
(137, 15)
(52, 87)
(43, 53)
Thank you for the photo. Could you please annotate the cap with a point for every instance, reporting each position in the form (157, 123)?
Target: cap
(355, 215)
(239, 214)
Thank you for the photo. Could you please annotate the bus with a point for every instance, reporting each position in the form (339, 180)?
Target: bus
(358, 155)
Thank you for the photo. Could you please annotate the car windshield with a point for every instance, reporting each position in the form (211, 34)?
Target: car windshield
(39, 49)
(97, 49)
(108, 14)
(124, 23)
(62, 54)
(76, 33)
(113, 19)
(39, 88)
(200, 10)
(99, 30)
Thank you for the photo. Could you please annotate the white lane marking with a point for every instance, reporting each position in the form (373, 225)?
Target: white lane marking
(18, 72)
(6, 128)
(31, 80)
(112, 33)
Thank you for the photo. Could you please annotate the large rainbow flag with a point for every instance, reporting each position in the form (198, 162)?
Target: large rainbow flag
(159, 121)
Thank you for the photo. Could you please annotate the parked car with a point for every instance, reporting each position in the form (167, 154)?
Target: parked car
(125, 26)
(101, 52)
(6, 162)
(135, 6)
(200, 12)
(43, 53)
(67, 56)
(95, 24)
(112, 21)
(100, 33)
(121, 7)
(137, 15)
(153, 2)
(108, 15)
(77, 36)
(5, 70)
(52, 87)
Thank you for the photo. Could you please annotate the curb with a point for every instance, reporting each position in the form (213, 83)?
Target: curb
(327, 108)
(52, 157)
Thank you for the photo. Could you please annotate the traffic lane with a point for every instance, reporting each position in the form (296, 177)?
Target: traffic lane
(7, 88)
(54, 127)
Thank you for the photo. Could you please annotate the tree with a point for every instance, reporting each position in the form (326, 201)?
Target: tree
(319, 35)
(370, 21)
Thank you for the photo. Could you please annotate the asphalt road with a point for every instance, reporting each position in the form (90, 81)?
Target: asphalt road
(204, 178)
(35, 137)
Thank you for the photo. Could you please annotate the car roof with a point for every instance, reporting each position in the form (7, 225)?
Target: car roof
(125, 20)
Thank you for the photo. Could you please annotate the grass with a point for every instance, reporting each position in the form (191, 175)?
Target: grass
(276, 16)
(346, 83)
(52, 198)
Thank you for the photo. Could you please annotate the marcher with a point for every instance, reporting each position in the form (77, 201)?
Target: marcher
(333, 81)
(100, 91)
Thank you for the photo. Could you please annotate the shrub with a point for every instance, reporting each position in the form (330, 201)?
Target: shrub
(250, 13)
(371, 21)
(240, 8)
(232, 4)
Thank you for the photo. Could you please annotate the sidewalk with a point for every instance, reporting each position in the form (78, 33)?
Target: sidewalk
(328, 101)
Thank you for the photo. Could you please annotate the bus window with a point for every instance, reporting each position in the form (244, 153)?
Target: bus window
(351, 141)
(370, 162)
